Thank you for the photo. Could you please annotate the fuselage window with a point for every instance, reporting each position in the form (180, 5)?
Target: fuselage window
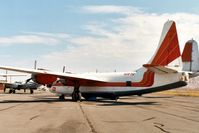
(128, 83)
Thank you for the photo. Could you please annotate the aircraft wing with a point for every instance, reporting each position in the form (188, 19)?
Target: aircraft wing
(160, 69)
(192, 74)
(58, 74)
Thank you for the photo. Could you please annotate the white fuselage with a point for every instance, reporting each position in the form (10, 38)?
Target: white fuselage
(121, 78)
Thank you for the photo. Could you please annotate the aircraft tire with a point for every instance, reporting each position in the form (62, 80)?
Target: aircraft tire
(13, 91)
(62, 97)
(10, 91)
(76, 96)
(31, 91)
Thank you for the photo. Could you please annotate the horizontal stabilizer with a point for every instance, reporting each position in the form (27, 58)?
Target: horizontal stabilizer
(160, 69)
(193, 74)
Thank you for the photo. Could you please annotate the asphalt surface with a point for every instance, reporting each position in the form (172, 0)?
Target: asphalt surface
(43, 113)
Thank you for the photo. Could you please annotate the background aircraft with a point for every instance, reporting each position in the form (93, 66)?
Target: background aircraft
(163, 72)
(28, 85)
(19, 85)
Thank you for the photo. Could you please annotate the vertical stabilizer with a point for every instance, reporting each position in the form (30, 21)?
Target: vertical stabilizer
(168, 50)
(167, 53)
(190, 56)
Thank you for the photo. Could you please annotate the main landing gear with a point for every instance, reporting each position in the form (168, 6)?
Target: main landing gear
(12, 91)
(62, 97)
(76, 95)
(31, 91)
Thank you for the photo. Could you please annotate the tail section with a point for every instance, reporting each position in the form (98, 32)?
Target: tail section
(190, 56)
(167, 53)
(168, 49)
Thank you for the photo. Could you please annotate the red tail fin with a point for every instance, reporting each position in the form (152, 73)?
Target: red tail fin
(168, 49)
(186, 55)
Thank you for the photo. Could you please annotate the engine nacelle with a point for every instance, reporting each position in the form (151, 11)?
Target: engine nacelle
(44, 78)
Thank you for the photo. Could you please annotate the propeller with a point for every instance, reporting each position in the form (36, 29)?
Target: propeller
(28, 80)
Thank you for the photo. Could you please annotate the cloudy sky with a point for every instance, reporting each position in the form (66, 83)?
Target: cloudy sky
(85, 35)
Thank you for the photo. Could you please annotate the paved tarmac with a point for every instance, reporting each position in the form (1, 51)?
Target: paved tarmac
(43, 113)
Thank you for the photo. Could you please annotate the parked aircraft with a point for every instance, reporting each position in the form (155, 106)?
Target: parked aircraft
(163, 72)
(19, 85)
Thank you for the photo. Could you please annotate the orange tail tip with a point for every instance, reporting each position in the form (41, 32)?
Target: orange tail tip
(168, 49)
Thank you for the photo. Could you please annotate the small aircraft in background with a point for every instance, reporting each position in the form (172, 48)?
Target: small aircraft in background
(30, 85)
(164, 71)
(19, 85)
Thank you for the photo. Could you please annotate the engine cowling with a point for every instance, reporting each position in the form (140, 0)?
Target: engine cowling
(44, 78)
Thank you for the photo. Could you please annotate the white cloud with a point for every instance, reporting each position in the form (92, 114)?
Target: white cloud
(124, 44)
(111, 9)
(35, 38)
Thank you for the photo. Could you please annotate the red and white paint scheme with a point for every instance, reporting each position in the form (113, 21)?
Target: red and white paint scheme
(163, 72)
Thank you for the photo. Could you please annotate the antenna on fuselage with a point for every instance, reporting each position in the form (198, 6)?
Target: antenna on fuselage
(35, 64)
(6, 76)
(64, 68)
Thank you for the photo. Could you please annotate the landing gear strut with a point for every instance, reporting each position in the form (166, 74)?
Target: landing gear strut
(76, 95)
(31, 91)
(10, 91)
(62, 97)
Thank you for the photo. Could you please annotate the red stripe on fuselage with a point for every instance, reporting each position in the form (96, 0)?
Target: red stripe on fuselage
(147, 81)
